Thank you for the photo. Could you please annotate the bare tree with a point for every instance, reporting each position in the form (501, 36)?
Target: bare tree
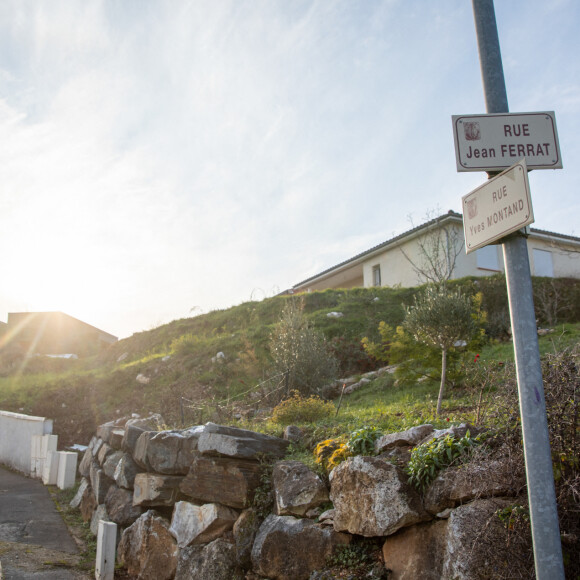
(439, 245)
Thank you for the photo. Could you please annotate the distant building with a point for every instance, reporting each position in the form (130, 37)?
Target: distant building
(54, 333)
(396, 261)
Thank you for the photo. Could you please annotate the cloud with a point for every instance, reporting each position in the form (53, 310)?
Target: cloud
(175, 154)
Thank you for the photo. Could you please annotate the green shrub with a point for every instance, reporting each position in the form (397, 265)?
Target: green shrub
(362, 441)
(429, 459)
(298, 409)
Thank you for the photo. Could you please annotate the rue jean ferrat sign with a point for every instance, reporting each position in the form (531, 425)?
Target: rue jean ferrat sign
(494, 142)
(497, 208)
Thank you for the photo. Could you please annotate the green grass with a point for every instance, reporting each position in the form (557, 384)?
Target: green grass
(103, 387)
(396, 408)
(78, 528)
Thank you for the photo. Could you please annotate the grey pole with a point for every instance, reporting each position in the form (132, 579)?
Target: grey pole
(539, 474)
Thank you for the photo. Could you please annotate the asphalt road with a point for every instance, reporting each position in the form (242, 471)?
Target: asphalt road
(34, 540)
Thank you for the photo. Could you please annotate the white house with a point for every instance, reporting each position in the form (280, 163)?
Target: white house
(437, 247)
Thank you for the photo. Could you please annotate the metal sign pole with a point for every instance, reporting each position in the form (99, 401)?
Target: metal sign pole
(539, 474)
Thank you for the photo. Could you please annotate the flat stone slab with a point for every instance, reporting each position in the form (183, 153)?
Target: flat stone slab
(239, 443)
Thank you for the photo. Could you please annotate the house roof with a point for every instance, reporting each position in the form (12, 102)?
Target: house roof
(449, 216)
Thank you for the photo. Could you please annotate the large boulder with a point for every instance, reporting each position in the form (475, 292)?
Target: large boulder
(372, 497)
(297, 488)
(87, 461)
(88, 504)
(214, 561)
(416, 552)
(125, 472)
(109, 431)
(408, 438)
(456, 431)
(200, 524)
(231, 482)
(478, 544)
(245, 530)
(147, 549)
(100, 482)
(167, 452)
(239, 443)
(135, 427)
(120, 508)
(104, 452)
(110, 464)
(475, 480)
(287, 548)
(76, 500)
(153, 489)
(100, 514)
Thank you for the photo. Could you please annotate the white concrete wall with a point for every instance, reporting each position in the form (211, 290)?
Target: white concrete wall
(16, 433)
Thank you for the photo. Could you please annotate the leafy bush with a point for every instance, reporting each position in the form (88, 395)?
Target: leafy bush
(362, 441)
(298, 409)
(429, 459)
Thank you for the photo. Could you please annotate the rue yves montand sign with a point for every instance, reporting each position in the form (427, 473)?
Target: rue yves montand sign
(496, 141)
(499, 207)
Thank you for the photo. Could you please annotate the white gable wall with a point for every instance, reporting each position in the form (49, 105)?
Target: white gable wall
(397, 271)
(550, 254)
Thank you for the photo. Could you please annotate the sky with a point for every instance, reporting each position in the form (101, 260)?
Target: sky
(164, 158)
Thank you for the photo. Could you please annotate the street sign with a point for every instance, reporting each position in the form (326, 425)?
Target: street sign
(499, 207)
(496, 141)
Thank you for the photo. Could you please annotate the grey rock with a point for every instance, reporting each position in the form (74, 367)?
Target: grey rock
(287, 548)
(213, 561)
(297, 488)
(239, 443)
(372, 497)
(147, 549)
(410, 438)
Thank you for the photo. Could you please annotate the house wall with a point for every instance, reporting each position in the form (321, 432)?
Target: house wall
(396, 269)
(349, 278)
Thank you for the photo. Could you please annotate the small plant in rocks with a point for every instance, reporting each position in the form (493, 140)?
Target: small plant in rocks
(362, 441)
(428, 459)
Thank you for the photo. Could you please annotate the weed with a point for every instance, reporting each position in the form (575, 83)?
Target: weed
(80, 529)
(263, 501)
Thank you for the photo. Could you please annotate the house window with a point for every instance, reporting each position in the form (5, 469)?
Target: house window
(487, 258)
(376, 275)
(543, 263)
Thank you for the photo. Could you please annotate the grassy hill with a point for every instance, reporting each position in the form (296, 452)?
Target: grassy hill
(172, 369)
